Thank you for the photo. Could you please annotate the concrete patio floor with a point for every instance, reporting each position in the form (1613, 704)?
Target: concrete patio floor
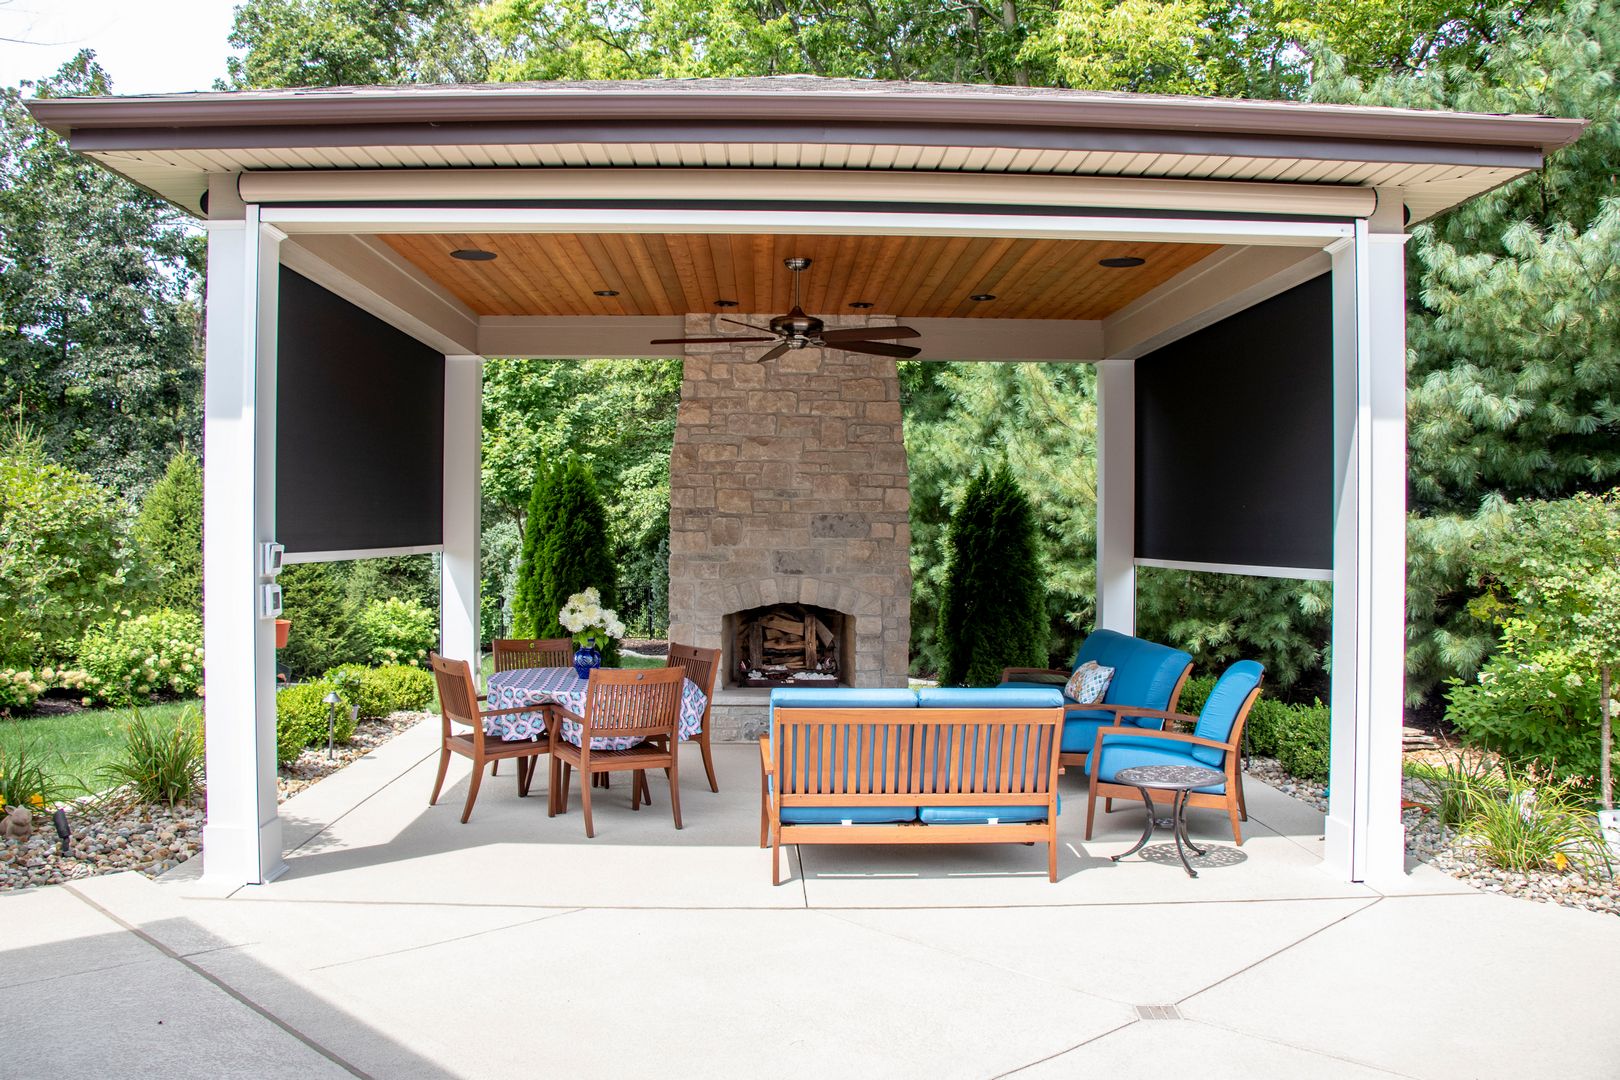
(402, 943)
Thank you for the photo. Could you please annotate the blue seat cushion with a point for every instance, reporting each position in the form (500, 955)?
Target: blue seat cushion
(1080, 728)
(855, 815)
(841, 697)
(1128, 753)
(981, 815)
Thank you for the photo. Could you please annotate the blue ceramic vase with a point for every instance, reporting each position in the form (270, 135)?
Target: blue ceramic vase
(587, 656)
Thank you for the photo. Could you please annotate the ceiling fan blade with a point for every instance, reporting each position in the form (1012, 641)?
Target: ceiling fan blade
(877, 348)
(869, 333)
(772, 354)
(703, 340)
(750, 325)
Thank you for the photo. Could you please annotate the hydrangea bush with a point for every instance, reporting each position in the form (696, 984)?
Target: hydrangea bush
(130, 661)
(398, 631)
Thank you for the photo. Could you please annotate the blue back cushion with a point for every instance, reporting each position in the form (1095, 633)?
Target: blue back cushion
(1221, 710)
(990, 697)
(1145, 672)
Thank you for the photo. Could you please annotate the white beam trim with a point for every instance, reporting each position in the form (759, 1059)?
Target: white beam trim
(1364, 838)
(307, 220)
(792, 185)
(242, 836)
(1228, 281)
(459, 637)
(626, 337)
(1297, 573)
(372, 276)
(348, 555)
(1116, 496)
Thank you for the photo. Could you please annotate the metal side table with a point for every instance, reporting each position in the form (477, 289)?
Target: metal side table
(1180, 780)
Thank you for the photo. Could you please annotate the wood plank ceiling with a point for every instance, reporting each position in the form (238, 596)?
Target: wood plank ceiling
(915, 276)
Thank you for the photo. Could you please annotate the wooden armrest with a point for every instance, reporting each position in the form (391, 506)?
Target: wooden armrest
(1008, 673)
(1149, 733)
(513, 712)
(1122, 711)
(766, 765)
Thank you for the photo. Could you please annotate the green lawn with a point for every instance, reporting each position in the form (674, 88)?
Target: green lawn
(74, 746)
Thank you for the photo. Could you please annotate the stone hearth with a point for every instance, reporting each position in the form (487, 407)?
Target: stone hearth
(788, 485)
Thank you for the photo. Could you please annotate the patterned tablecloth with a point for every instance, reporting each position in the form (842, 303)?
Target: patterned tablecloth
(561, 686)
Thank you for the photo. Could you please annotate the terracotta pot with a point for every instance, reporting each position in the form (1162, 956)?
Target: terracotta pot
(282, 626)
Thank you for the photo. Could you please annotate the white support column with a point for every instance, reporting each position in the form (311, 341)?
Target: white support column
(242, 837)
(1365, 841)
(1116, 496)
(463, 473)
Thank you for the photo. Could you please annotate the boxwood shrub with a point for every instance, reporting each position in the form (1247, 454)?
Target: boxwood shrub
(381, 691)
(301, 716)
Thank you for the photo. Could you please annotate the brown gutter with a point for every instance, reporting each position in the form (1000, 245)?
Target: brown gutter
(415, 106)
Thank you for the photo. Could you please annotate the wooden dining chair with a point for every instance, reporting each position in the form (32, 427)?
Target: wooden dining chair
(513, 653)
(643, 703)
(458, 704)
(701, 666)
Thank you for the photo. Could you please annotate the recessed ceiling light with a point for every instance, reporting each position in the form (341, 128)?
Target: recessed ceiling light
(1121, 262)
(861, 304)
(472, 255)
(725, 303)
(981, 297)
(605, 292)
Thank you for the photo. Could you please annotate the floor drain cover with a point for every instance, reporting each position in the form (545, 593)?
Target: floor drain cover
(1157, 1012)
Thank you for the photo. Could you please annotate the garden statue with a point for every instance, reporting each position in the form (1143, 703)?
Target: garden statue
(18, 823)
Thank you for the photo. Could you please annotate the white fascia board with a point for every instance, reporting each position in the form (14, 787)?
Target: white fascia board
(627, 337)
(372, 276)
(292, 558)
(1298, 573)
(1228, 281)
(307, 220)
(807, 185)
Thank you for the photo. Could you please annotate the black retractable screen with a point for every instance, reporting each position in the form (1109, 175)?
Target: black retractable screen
(1234, 438)
(359, 428)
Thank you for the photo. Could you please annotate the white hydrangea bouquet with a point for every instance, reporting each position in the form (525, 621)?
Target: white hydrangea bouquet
(591, 624)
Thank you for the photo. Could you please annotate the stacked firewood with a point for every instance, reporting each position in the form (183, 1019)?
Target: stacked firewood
(780, 642)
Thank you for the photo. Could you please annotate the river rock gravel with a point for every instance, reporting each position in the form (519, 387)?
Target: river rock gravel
(109, 834)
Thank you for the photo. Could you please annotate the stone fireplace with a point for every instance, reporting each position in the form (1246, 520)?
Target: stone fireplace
(788, 491)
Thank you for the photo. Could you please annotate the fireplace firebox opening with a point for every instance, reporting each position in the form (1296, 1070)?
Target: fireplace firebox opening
(788, 645)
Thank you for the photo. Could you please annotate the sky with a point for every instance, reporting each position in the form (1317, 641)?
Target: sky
(147, 46)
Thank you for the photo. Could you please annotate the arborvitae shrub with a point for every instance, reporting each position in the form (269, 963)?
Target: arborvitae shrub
(168, 531)
(992, 611)
(527, 617)
(576, 552)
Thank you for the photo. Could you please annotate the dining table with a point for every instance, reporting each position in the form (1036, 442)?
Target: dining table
(519, 687)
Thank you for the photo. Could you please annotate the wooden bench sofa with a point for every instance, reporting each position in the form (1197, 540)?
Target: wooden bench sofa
(940, 766)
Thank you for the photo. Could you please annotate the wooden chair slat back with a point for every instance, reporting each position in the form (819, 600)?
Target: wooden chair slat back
(513, 653)
(701, 665)
(637, 701)
(458, 696)
(928, 755)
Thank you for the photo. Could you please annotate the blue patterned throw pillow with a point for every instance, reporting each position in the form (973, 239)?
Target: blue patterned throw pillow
(1089, 683)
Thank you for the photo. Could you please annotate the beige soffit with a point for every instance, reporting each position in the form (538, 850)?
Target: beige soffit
(715, 185)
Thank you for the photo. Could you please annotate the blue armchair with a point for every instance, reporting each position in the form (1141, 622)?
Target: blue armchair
(1214, 744)
(1147, 683)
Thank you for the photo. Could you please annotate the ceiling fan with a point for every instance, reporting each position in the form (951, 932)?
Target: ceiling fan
(796, 330)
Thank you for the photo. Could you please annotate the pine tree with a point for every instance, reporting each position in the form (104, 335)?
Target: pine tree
(168, 529)
(527, 617)
(575, 549)
(992, 610)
